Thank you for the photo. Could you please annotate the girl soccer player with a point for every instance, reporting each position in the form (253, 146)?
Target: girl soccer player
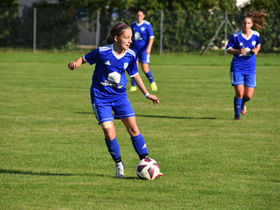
(143, 39)
(244, 45)
(108, 90)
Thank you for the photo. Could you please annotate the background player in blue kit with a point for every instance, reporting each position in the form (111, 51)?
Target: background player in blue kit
(245, 45)
(108, 90)
(143, 39)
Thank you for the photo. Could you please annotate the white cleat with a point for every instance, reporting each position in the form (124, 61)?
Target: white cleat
(119, 170)
(243, 109)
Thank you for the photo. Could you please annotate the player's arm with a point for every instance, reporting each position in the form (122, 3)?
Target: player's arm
(138, 80)
(236, 51)
(75, 64)
(150, 44)
(256, 49)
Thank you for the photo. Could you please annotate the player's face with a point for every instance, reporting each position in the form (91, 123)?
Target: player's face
(247, 24)
(125, 39)
(140, 16)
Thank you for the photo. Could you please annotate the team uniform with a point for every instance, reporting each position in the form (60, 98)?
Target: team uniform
(142, 32)
(108, 94)
(108, 89)
(243, 67)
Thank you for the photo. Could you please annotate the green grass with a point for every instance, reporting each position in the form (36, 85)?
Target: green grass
(53, 154)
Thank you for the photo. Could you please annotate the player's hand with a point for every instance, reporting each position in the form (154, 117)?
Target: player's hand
(72, 65)
(153, 98)
(255, 51)
(148, 51)
(242, 51)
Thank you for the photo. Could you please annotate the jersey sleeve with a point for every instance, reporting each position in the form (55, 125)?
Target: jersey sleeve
(231, 43)
(258, 41)
(132, 68)
(150, 31)
(92, 56)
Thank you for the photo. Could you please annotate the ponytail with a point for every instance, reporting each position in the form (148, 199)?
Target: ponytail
(257, 18)
(115, 31)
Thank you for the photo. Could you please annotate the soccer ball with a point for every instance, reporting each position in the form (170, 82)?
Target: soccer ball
(148, 168)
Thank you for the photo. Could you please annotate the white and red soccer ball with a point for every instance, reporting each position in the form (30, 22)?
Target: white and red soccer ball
(148, 168)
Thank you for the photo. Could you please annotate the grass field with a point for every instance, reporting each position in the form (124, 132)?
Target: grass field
(53, 154)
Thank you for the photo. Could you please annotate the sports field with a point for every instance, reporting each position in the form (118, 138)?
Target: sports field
(53, 154)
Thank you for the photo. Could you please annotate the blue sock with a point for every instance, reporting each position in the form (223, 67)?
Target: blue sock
(139, 145)
(150, 76)
(113, 148)
(133, 82)
(245, 99)
(237, 106)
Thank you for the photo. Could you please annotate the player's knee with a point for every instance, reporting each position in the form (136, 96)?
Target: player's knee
(109, 130)
(133, 131)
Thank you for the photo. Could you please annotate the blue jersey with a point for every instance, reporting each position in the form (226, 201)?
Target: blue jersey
(141, 34)
(244, 63)
(109, 79)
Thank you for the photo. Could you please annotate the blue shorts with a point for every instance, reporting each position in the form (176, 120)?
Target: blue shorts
(238, 78)
(142, 56)
(121, 109)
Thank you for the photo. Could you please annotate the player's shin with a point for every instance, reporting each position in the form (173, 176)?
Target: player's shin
(140, 146)
(114, 150)
(237, 106)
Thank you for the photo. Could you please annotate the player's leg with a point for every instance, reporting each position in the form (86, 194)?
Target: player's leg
(248, 94)
(133, 86)
(104, 116)
(145, 61)
(239, 92)
(237, 81)
(124, 111)
(249, 89)
(137, 139)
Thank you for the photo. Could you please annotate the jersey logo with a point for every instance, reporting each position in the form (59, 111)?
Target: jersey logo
(137, 36)
(254, 43)
(108, 63)
(241, 44)
(125, 65)
(113, 80)
(142, 28)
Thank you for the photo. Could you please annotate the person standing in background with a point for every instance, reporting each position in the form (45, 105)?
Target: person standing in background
(143, 39)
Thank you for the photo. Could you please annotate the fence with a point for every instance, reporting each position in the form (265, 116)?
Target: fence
(175, 31)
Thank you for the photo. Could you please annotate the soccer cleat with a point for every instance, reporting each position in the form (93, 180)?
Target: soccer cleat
(236, 117)
(133, 89)
(243, 109)
(119, 170)
(154, 86)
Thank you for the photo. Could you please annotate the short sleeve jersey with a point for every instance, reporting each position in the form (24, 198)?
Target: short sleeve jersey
(244, 63)
(109, 79)
(141, 34)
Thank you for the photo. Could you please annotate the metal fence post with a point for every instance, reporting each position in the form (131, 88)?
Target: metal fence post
(34, 28)
(161, 31)
(97, 28)
(225, 38)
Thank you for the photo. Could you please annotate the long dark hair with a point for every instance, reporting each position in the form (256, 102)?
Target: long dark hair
(116, 30)
(257, 18)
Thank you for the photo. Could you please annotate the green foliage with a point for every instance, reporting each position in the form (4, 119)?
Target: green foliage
(8, 26)
(56, 27)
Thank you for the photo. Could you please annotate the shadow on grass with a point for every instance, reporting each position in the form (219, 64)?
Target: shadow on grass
(162, 116)
(176, 117)
(8, 171)
(19, 172)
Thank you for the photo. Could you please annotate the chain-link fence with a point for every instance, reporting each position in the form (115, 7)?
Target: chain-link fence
(175, 31)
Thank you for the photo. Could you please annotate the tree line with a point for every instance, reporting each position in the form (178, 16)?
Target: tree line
(188, 24)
